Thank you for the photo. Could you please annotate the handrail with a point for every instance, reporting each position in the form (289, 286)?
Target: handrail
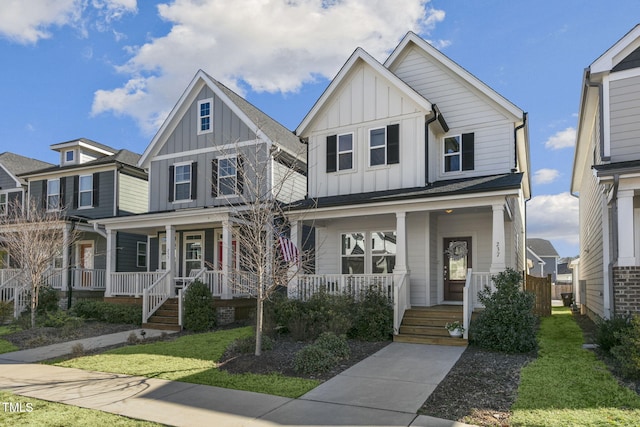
(154, 296)
(467, 304)
(400, 301)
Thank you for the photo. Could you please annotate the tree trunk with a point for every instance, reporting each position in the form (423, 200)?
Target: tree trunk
(259, 315)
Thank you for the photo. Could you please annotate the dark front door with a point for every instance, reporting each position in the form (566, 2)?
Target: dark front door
(457, 259)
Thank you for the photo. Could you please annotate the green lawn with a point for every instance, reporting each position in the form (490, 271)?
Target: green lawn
(568, 386)
(6, 346)
(25, 411)
(191, 359)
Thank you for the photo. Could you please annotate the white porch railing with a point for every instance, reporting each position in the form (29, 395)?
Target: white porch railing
(475, 282)
(214, 280)
(88, 278)
(351, 284)
(400, 301)
(13, 289)
(133, 283)
(155, 295)
(7, 274)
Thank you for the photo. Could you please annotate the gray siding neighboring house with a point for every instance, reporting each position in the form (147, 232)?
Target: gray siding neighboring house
(543, 258)
(605, 169)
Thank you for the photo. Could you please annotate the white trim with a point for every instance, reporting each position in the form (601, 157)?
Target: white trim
(444, 155)
(185, 234)
(214, 149)
(606, 117)
(383, 147)
(58, 173)
(352, 151)
(209, 116)
(93, 253)
(235, 186)
(80, 143)
(90, 205)
(57, 208)
(146, 251)
(440, 257)
(624, 74)
(616, 53)
(175, 181)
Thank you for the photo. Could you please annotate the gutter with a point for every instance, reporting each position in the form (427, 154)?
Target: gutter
(515, 140)
(614, 243)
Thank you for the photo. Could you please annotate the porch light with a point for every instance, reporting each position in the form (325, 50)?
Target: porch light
(448, 211)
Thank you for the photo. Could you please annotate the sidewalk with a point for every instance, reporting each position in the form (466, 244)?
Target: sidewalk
(384, 389)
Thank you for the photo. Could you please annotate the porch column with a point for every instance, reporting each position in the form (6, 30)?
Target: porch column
(296, 234)
(401, 243)
(497, 243)
(227, 255)
(66, 246)
(111, 261)
(171, 255)
(626, 252)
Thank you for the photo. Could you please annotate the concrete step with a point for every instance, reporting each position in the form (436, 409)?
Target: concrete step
(422, 339)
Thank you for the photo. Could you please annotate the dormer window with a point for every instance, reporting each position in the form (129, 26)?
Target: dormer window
(458, 151)
(69, 156)
(205, 109)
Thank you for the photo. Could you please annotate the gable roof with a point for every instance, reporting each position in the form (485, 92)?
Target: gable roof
(542, 247)
(15, 165)
(84, 142)
(359, 55)
(618, 52)
(265, 127)
(412, 39)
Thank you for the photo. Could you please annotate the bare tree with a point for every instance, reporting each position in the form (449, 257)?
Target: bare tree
(267, 179)
(33, 237)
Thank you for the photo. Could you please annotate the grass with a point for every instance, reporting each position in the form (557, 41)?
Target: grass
(41, 413)
(568, 386)
(6, 346)
(191, 359)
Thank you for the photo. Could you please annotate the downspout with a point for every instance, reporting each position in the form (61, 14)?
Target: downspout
(614, 242)
(436, 112)
(515, 140)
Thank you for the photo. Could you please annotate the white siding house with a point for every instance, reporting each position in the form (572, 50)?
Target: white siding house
(606, 172)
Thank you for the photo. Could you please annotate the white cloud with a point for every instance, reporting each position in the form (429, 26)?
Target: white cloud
(553, 216)
(115, 9)
(562, 139)
(545, 176)
(269, 45)
(29, 21)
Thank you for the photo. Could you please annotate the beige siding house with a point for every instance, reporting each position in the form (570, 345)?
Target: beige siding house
(606, 178)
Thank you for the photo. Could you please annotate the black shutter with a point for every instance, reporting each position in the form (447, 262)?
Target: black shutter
(468, 152)
(194, 180)
(239, 175)
(96, 189)
(44, 194)
(171, 182)
(393, 144)
(76, 186)
(332, 153)
(61, 198)
(214, 178)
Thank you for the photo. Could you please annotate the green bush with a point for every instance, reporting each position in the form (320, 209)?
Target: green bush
(313, 359)
(609, 330)
(372, 317)
(248, 344)
(336, 345)
(59, 319)
(6, 311)
(199, 313)
(48, 299)
(627, 350)
(507, 322)
(107, 312)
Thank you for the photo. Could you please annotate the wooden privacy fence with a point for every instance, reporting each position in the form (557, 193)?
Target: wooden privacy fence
(541, 287)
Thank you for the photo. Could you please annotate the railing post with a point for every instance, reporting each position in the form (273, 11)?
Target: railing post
(145, 305)
(180, 308)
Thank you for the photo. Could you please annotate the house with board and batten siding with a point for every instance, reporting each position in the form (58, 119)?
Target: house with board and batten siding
(92, 181)
(606, 178)
(418, 176)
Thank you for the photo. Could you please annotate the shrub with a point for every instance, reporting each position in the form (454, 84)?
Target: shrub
(334, 344)
(248, 344)
(608, 331)
(199, 314)
(59, 319)
(107, 312)
(48, 299)
(6, 311)
(507, 323)
(627, 350)
(373, 317)
(313, 359)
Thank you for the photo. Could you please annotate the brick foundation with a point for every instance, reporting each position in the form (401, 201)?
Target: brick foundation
(225, 315)
(626, 289)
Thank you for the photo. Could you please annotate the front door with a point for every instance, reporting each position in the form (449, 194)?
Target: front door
(457, 259)
(86, 264)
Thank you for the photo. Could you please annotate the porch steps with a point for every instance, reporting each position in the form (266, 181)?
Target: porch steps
(425, 325)
(166, 317)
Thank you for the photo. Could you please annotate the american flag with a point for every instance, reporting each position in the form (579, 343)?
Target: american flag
(290, 252)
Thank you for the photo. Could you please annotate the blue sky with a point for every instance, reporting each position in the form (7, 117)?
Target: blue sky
(110, 70)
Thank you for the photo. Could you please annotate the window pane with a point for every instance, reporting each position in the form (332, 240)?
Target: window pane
(353, 244)
(86, 183)
(183, 173)
(85, 199)
(53, 187)
(183, 191)
(205, 123)
(227, 167)
(53, 202)
(383, 264)
(345, 142)
(452, 145)
(227, 185)
(69, 156)
(452, 163)
(377, 137)
(3, 198)
(353, 265)
(345, 161)
(205, 108)
(378, 156)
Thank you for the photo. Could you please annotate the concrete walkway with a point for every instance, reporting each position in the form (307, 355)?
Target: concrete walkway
(384, 389)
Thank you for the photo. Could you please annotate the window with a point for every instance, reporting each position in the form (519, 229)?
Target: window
(85, 191)
(68, 156)
(4, 259)
(383, 251)
(377, 147)
(353, 253)
(345, 151)
(182, 181)
(3, 204)
(162, 249)
(204, 116)
(53, 194)
(192, 253)
(227, 176)
(141, 254)
(459, 152)
(452, 153)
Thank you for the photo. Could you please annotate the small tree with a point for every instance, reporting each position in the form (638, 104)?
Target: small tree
(33, 236)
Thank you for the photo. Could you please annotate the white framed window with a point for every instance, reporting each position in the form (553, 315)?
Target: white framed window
(69, 156)
(345, 151)
(353, 253)
(141, 254)
(193, 252)
(53, 194)
(85, 191)
(182, 182)
(378, 146)
(3, 204)
(227, 176)
(383, 251)
(453, 153)
(162, 249)
(205, 115)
